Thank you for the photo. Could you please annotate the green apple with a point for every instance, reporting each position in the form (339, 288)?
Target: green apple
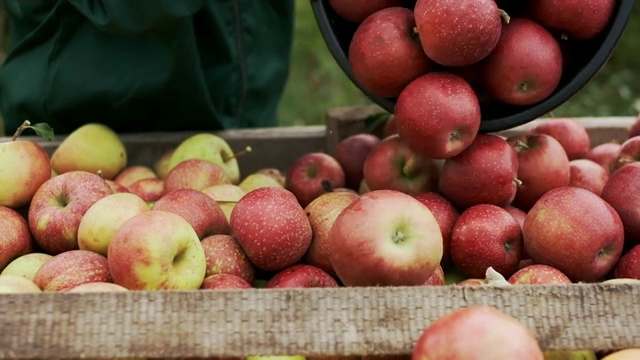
(161, 165)
(13, 284)
(226, 195)
(570, 355)
(258, 180)
(26, 265)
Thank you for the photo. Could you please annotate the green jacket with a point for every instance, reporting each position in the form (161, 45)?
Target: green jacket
(146, 65)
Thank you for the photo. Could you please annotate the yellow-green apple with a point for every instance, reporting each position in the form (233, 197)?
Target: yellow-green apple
(588, 175)
(271, 227)
(225, 256)
(322, 213)
(101, 221)
(312, 175)
(570, 355)
(486, 236)
(570, 133)
(148, 190)
(385, 238)
(161, 165)
(446, 216)
(604, 154)
(351, 153)
(485, 173)
(543, 165)
(208, 147)
(385, 54)
(538, 274)
(14, 284)
(58, 206)
(199, 209)
(26, 265)
(258, 180)
(356, 11)
(621, 193)
(628, 153)
(562, 17)
(530, 76)
(458, 120)
(274, 173)
(224, 281)
(226, 195)
(477, 332)
(392, 165)
(157, 250)
(115, 187)
(72, 268)
(92, 147)
(363, 188)
(15, 236)
(301, 276)
(133, 173)
(621, 281)
(97, 286)
(437, 278)
(195, 174)
(25, 166)
(628, 266)
(594, 235)
(624, 354)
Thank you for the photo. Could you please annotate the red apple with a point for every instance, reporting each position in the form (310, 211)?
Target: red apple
(97, 286)
(485, 173)
(446, 216)
(58, 207)
(198, 208)
(569, 132)
(385, 52)
(457, 121)
(351, 153)
(621, 192)
(628, 153)
(437, 278)
(225, 281)
(486, 236)
(72, 268)
(301, 276)
(312, 175)
(604, 155)
(538, 274)
(584, 244)
(477, 332)
(195, 174)
(634, 129)
(517, 214)
(116, 188)
(588, 175)
(322, 213)
(358, 10)
(392, 165)
(578, 20)
(385, 238)
(15, 236)
(390, 127)
(526, 65)
(271, 227)
(628, 266)
(472, 282)
(225, 256)
(133, 173)
(543, 165)
(149, 190)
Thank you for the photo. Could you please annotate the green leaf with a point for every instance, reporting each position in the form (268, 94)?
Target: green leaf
(44, 130)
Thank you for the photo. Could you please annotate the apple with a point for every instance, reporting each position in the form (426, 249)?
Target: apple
(161, 165)
(149, 190)
(93, 148)
(486, 236)
(604, 155)
(624, 354)
(538, 274)
(446, 216)
(628, 266)
(224, 281)
(577, 20)
(15, 236)
(570, 355)
(389, 127)
(98, 286)
(621, 193)
(458, 109)
(472, 282)
(271, 227)
(322, 213)
(133, 173)
(517, 214)
(104, 217)
(588, 175)
(274, 173)
(226, 195)
(485, 173)
(437, 278)
(357, 10)
(301, 276)
(529, 61)
(26, 265)
(458, 33)
(351, 153)
(385, 238)
(543, 165)
(593, 236)
(628, 153)
(477, 332)
(569, 132)
(72, 268)
(385, 53)
(634, 129)
(14, 284)
(116, 188)
(225, 256)
(195, 174)
(199, 209)
(258, 180)
(392, 165)
(312, 175)
(58, 206)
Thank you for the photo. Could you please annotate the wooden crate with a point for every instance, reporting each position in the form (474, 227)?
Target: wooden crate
(310, 322)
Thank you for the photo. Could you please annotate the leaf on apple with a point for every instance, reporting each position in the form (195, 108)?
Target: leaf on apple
(41, 129)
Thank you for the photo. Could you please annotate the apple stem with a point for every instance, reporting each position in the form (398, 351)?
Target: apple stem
(411, 167)
(238, 154)
(564, 37)
(505, 16)
(626, 160)
(20, 129)
(520, 145)
(517, 181)
(454, 136)
(327, 186)
(99, 172)
(227, 201)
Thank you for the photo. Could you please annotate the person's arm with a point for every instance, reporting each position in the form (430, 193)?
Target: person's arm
(135, 16)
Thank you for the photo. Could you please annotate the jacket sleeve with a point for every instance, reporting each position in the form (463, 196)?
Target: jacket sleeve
(135, 16)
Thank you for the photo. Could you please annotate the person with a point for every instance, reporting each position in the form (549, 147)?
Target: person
(146, 65)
